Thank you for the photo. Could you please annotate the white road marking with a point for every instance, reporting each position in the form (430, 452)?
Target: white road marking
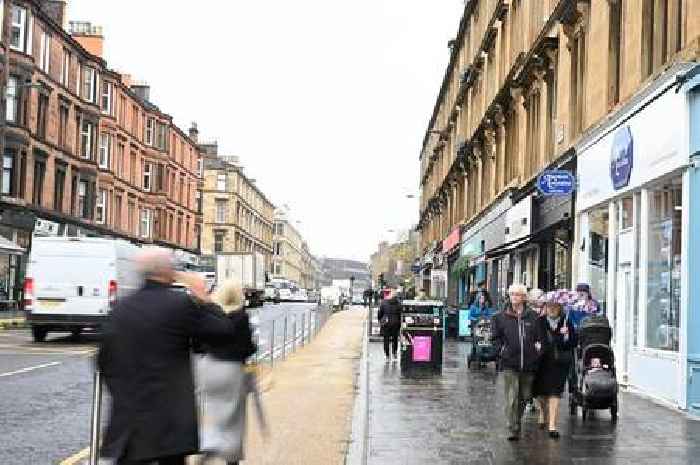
(48, 350)
(28, 369)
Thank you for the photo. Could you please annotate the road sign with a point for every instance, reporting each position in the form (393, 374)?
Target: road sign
(556, 182)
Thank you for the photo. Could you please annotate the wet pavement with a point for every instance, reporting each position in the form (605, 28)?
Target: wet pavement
(457, 418)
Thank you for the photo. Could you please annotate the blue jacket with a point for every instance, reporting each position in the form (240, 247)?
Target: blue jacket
(476, 312)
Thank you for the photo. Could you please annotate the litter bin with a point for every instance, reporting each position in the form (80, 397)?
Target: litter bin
(422, 337)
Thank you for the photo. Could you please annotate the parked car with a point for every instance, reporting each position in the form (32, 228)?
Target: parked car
(72, 282)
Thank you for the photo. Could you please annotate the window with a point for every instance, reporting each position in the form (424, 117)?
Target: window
(8, 170)
(200, 166)
(578, 83)
(132, 168)
(86, 140)
(82, 199)
(63, 126)
(150, 122)
(45, 57)
(614, 52)
(221, 182)
(101, 207)
(65, 67)
(106, 97)
(131, 218)
(12, 102)
(89, 81)
(161, 136)
(119, 162)
(147, 170)
(74, 196)
(198, 199)
(221, 209)
(134, 120)
(42, 110)
(105, 150)
(219, 241)
(59, 188)
(664, 262)
(39, 175)
(145, 230)
(19, 39)
(118, 212)
(662, 32)
(122, 110)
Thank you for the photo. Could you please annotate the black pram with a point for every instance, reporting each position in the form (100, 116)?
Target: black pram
(596, 386)
(483, 347)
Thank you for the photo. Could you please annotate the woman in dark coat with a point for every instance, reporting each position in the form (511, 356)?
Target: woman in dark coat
(556, 359)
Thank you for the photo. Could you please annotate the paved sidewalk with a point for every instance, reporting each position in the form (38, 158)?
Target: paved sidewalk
(12, 319)
(457, 418)
(309, 399)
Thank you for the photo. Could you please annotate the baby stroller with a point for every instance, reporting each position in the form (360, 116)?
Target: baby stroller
(596, 384)
(483, 347)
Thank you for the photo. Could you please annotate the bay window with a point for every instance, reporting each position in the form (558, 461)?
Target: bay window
(101, 207)
(145, 231)
(150, 122)
(8, 170)
(86, 140)
(45, 54)
(221, 182)
(106, 103)
(89, 81)
(12, 100)
(105, 150)
(19, 30)
(147, 173)
(66, 67)
(83, 199)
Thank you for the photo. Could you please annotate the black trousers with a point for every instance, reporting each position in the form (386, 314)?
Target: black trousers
(391, 337)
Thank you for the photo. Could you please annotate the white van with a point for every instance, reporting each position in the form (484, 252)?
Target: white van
(72, 282)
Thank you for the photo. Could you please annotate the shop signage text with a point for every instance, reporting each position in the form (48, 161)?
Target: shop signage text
(621, 158)
(556, 182)
(451, 241)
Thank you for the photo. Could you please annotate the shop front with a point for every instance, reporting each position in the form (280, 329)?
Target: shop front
(475, 265)
(632, 214)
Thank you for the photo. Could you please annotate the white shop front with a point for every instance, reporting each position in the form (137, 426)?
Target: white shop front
(632, 236)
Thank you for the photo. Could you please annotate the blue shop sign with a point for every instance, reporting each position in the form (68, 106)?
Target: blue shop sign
(621, 158)
(556, 182)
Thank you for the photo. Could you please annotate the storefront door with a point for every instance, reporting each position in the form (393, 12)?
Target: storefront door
(623, 321)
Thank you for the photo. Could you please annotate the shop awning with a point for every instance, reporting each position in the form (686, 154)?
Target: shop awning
(7, 247)
(506, 248)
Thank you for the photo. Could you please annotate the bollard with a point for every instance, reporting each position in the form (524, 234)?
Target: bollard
(303, 329)
(284, 342)
(272, 344)
(95, 418)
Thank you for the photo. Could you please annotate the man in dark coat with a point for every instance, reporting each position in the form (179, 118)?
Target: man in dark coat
(145, 359)
(389, 317)
(519, 341)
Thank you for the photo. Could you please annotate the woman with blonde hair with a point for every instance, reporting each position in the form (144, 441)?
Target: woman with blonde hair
(223, 382)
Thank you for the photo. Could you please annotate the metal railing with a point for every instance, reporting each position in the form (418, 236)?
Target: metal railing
(305, 327)
(290, 332)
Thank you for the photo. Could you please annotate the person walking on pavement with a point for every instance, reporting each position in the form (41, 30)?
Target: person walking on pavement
(223, 382)
(145, 358)
(389, 317)
(557, 357)
(519, 340)
(535, 299)
(585, 305)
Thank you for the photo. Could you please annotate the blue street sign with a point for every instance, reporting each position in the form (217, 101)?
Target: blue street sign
(556, 182)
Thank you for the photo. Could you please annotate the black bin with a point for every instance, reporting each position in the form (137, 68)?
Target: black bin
(422, 337)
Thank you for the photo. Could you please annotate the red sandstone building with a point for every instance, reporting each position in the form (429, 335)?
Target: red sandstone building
(86, 152)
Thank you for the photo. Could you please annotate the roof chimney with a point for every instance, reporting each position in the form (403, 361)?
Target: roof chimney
(56, 9)
(142, 91)
(88, 36)
(194, 132)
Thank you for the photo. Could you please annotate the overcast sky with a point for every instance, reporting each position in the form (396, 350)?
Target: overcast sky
(325, 101)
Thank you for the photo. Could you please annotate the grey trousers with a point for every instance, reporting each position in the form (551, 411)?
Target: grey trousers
(518, 390)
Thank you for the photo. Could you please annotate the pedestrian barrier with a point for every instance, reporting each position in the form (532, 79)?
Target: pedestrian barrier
(305, 326)
(311, 323)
